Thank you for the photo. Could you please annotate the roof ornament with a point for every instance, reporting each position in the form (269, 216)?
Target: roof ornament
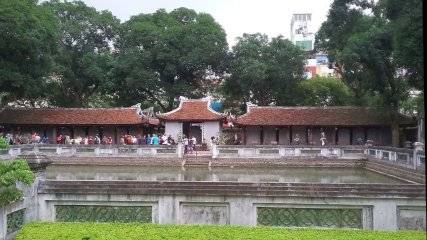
(138, 110)
(182, 98)
(248, 105)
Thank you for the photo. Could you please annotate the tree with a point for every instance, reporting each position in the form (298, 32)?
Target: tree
(345, 19)
(263, 72)
(11, 173)
(27, 37)
(406, 21)
(364, 54)
(164, 55)
(323, 92)
(84, 59)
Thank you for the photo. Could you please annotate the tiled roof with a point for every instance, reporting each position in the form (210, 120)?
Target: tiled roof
(70, 116)
(192, 110)
(312, 116)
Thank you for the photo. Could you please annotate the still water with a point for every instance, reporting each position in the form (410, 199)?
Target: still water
(236, 174)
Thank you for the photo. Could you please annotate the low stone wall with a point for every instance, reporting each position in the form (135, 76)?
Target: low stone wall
(396, 171)
(355, 206)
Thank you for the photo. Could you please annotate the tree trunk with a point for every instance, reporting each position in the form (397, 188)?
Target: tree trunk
(395, 133)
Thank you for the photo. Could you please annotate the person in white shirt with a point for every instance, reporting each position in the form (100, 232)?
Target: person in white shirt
(185, 145)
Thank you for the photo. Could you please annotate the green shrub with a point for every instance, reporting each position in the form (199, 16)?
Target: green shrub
(123, 231)
(4, 144)
(10, 173)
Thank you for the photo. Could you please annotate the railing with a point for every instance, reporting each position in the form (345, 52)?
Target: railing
(409, 158)
(12, 217)
(95, 150)
(224, 151)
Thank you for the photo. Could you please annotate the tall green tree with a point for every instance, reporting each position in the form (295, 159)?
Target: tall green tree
(164, 55)
(27, 37)
(406, 23)
(84, 59)
(323, 92)
(263, 72)
(345, 19)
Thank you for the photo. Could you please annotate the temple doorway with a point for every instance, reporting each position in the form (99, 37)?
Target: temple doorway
(191, 129)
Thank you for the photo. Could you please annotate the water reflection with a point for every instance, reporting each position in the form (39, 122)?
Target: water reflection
(236, 174)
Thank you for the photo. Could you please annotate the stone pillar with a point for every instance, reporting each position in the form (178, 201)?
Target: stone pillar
(180, 149)
(214, 150)
(418, 146)
(384, 215)
(38, 164)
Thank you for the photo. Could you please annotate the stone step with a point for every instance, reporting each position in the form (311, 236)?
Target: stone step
(231, 188)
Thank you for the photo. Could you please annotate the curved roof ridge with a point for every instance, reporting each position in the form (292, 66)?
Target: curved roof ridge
(311, 107)
(63, 108)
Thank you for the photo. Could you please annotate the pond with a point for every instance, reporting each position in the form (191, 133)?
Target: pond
(236, 174)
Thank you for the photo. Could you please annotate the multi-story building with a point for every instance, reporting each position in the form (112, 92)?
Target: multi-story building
(303, 35)
(302, 32)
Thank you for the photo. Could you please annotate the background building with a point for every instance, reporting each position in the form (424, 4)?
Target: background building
(302, 32)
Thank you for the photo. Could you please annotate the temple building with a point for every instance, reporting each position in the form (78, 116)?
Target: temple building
(193, 117)
(51, 122)
(319, 126)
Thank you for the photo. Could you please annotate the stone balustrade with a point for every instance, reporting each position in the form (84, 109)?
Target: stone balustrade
(158, 151)
(263, 151)
(408, 158)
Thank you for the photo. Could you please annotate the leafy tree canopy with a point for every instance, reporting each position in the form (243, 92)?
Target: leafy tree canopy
(84, 59)
(263, 72)
(323, 92)
(164, 55)
(406, 21)
(27, 37)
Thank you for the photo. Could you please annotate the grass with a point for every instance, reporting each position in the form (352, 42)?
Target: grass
(123, 231)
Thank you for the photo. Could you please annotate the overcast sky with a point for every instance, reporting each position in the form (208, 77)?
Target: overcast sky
(272, 17)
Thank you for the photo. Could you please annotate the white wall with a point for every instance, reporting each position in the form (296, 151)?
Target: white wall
(174, 129)
(210, 129)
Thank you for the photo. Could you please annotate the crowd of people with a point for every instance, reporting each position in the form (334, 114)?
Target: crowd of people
(147, 139)
(127, 139)
(25, 139)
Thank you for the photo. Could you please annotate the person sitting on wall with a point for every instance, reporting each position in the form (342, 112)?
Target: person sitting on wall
(171, 141)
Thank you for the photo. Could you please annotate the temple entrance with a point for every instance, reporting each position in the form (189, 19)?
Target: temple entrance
(191, 129)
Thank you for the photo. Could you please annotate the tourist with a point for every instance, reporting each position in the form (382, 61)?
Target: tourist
(171, 141)
(45, 140)
(155, 140)
(59, 139)
(122, 140)
(236, 139)
(148, 139)
(297, 139)
(165, 140)
(96, 140)
(212, 141)
(109, 140)
(91, 140)
(186, 142)
(323, 138)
